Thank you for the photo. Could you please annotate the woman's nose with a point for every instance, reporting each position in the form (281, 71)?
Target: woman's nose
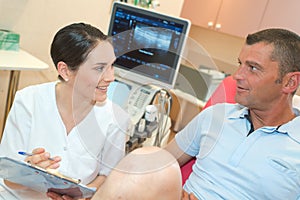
(109, 74)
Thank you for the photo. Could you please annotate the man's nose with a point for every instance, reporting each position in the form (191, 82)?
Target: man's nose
(239, 73)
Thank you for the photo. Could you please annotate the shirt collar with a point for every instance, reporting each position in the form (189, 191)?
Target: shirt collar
(291, 128)
(241, 112)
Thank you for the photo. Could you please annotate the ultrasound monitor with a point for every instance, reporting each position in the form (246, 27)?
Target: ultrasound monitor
(148, 45)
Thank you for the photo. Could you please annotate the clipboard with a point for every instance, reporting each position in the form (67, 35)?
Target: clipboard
(42, 180)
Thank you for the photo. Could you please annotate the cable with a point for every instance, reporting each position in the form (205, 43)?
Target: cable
(164, 103)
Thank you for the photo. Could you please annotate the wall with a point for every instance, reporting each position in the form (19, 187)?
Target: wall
(222, 48)
(171, 7)
(38, 20)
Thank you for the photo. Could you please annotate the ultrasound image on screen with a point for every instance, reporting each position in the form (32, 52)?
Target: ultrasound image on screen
(147, 43)
(152, 37)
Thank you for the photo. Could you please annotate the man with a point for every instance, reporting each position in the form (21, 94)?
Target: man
(249, 150)
(147, 173)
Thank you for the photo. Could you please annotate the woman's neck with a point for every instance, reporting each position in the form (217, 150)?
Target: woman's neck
(71, 109)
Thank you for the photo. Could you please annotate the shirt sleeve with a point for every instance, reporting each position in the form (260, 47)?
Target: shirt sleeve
(17, 124)
(189, 138)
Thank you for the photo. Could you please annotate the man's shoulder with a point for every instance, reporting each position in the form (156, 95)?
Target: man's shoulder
(226, 107)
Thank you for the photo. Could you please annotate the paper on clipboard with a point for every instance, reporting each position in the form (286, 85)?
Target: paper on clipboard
(41, 180)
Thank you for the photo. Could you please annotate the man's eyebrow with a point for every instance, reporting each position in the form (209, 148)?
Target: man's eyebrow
(253, 64)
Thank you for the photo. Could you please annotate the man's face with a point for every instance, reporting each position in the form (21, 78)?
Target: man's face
(257, 77)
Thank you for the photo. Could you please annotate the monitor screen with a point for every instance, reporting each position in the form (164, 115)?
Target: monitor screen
(148, 44)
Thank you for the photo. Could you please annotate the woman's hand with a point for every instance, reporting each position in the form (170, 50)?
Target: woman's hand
(42, 159)
(55, 196)
(39, 158)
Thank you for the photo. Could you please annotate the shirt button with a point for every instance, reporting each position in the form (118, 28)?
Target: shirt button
(65, 148)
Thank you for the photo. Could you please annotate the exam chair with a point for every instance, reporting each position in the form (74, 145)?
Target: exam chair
(225, 92)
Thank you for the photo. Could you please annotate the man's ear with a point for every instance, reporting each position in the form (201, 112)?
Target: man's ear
(292, 82)
(63, 70)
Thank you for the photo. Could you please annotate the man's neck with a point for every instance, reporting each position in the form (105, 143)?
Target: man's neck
(271, 117)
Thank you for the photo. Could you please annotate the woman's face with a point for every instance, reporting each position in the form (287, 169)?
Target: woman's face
(95, 74)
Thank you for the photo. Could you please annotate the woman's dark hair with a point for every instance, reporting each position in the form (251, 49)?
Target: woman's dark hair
(286, 47)
(73, 43)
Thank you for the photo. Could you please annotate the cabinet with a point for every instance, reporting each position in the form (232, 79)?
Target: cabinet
(235, 17)
(283, 14)
(241, 17)
(200, 12)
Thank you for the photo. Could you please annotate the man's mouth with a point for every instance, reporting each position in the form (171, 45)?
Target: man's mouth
(239, 88)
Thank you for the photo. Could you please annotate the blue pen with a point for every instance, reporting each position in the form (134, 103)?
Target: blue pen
(29, 154)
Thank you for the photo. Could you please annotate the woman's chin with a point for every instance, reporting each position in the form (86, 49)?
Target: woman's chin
(100, 99)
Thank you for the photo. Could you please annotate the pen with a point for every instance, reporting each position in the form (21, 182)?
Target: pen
(29, 154)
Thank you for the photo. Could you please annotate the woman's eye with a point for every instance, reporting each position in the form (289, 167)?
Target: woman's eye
(100, 69)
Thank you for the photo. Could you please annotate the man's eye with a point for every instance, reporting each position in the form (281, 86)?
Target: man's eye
(253, 68)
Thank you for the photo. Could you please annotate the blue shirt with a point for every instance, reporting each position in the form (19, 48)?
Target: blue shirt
(230, 165)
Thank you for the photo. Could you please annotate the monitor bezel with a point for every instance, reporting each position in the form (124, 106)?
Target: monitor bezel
(135, 76)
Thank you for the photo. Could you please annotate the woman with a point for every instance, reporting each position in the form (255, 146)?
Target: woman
(70, 120)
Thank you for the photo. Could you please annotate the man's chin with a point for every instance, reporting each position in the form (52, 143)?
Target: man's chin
(240, 100)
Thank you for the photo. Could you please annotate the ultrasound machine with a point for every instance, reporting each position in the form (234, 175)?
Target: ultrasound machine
(148, 46)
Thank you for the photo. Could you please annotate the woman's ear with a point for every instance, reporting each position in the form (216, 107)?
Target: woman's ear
(292, 82)
(63, 70)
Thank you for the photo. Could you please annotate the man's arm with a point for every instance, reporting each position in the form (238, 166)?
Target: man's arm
(174, 149)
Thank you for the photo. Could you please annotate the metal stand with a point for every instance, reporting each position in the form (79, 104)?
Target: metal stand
(12, 89)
